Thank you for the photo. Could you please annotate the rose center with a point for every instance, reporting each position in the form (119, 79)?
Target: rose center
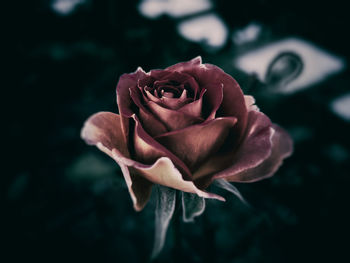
(167, 94)
(170, 91)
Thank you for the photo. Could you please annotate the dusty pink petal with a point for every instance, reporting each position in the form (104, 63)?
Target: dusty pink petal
(250, 103)
(147, 150)
(124, 101)
(150, 124)
(214, 96)
(233, 103)
(148, 120)
(104, 130)
(152, 76)
(211, 77)
(175, 103)
(172, 119)
(164, 172)
(282, 147)
(151, 97)
(194, 108)
(170, 103)
(196, 143)
(255, 148)
(180, 77)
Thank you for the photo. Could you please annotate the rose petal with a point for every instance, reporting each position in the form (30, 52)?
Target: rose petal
(172, 119)
(194, 108)
(184, 66)
(250, 103)
(196, 143)
(150, 123)
(104, 130)
(255, 148)
(175, 103)
(282, 147)
(164, 76)
(151, 97)
(164, 172)
(171, 103)
(211, 77)
(147, 150)
(124, 101)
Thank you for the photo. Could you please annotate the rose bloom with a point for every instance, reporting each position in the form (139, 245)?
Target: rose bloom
(183, 127)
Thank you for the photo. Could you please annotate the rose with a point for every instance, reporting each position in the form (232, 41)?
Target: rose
(184, 127)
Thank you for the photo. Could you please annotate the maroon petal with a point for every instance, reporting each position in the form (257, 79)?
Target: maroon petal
(124, 101)
(151, 97)
(233, 104)
(104, 130)
(282, 147)
(194, 108)
(175, 103)
(256, 145)
(175, 76)
(170, 103)
(150, 123)
(196, 143)
(211, 77)
(255, 148)
(184, 66)
(172, 119)
(147, 150)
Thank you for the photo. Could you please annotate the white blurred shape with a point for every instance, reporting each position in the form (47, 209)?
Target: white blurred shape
(317, 63)
(65, 7)
(248, 34)
(341, 106)
(174, 8)
(209, 29)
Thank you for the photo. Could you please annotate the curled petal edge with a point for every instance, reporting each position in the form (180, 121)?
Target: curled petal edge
(282, 147)
(250, 103)
(103, 130)
(138, 203)
(163, 172)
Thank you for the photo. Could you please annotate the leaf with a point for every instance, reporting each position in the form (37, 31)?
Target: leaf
(222, 183)
(165, 207)
(192, 206)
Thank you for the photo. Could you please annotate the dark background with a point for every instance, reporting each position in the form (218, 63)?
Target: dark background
(67, 202)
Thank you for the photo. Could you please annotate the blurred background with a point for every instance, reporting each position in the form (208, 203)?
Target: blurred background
(66, 201)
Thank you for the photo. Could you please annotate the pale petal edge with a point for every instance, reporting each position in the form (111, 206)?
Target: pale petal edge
(282, 147)
(164, 172)
(103, 130)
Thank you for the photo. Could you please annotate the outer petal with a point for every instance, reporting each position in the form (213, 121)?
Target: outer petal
(250, 103)
(124, 101)
(104, 130)
(282, 147)
(196, 143)
(164, 172)
(185, 66)
(233, 103)
(254, 149)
